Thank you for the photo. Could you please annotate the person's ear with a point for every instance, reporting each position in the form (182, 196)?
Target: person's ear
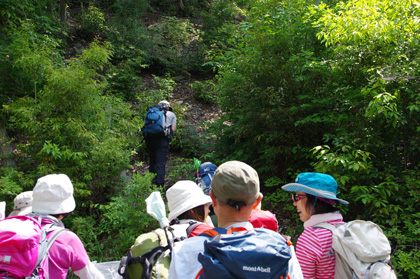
(257, 201)
(213, 198)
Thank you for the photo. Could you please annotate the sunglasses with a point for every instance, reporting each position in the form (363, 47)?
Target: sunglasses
(296, 197)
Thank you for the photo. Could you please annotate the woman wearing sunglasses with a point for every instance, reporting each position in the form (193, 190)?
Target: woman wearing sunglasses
(314, 197)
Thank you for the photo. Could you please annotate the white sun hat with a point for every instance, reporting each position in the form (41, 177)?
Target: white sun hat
(22, 204)
(53, 194)
(183, 196)
(166, 104)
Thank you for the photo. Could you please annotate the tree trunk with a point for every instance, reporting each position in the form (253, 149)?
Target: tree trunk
(6, 148)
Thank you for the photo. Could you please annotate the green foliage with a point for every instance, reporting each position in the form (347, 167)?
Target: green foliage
(123, 81)
(72, 129)
(194, 140)
(204, 91)
(125, 218)
(183, 169)
(130, 40)
(378, 23)
(289, 223)
(260, 79)
(13, 11)
(92, 22)
(32, 54)
(220, 20)
(12, 183)
(164, 87)
(29, 36)
(131, 9)
(175, 39)
(336, 79)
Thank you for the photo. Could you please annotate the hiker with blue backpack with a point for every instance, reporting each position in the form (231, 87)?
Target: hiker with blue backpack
(329, 248)
(38, 245)
(235, 249)
(158, 129)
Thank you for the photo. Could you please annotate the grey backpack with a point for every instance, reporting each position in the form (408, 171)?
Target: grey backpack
(362, 251)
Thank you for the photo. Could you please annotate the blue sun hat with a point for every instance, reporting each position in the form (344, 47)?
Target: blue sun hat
(316, 184)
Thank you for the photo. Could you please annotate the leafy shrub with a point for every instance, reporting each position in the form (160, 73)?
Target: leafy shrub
(193, 141)
(204, 91)
(13, 182)
(175, 39)
(289, 223)
(183, 169)
(125, 217)
(131, 9)
(92, 22)
(72, 129)
(33, 55)
(163, 90)
(123, 81)
(220, 33)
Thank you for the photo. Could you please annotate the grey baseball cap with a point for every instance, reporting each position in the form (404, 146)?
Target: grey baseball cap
(235, 181)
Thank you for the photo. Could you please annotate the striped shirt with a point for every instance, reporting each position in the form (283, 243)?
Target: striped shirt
(313, 248)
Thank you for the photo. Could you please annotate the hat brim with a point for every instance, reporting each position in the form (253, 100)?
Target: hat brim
(21, 211)
(296, 187)
(187, 206)
(54, 207)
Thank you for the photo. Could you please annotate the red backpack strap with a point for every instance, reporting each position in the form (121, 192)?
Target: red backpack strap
(199, 273)
(213, 232)
(216, 231)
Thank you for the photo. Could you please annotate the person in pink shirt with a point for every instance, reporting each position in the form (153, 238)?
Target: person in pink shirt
(52, 201)
(314, 197)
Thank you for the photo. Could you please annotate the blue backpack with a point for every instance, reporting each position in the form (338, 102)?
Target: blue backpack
(259, 253)
(205, 175)
(155, 122)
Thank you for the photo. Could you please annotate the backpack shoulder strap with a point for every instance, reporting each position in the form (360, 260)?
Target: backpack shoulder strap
(45, 244)
(327, 226)
(213, 232)
(54, 235)
(191, 227)
(147, 260)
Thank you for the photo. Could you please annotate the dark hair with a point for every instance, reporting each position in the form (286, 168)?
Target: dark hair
(236, 204)
(196, 213)
(320, 206)
(63, 214)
